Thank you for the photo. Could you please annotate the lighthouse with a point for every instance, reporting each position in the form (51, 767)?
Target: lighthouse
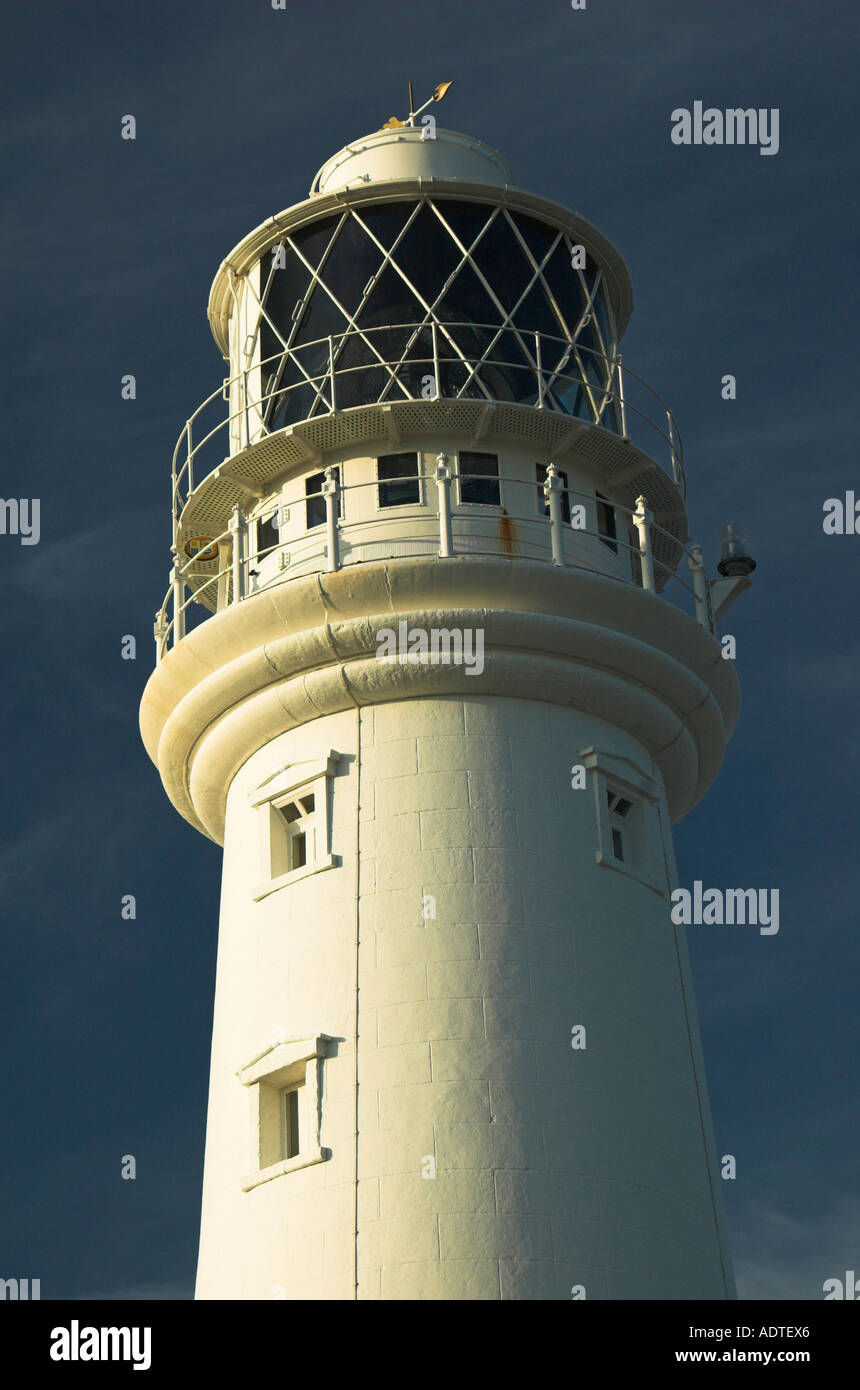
(440, 666)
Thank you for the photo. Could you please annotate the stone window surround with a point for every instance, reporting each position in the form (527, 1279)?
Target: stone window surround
(294, 1062)
(312, 776)
(611, 771)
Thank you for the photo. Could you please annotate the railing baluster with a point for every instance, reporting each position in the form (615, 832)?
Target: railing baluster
(621, 399)
(539, 371)
(443, 484)
(552, 494)
(700, 588)
(331, 372)
(642, 519)
(178, 586)
(237, 529)
(330, 492)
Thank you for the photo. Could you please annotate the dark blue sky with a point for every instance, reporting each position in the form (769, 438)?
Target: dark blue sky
(740, 263)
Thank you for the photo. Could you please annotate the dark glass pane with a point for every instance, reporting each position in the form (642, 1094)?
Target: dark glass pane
(287, 288)
(566, 289)
(268, 537)
(466, 301)
(605, 322)
(537, 235)
(321, 318)
(398, 480)
(291, 1116)
(466, 220)
(351, 262)
(290, 812)
(390, 301)
(606, 522)
(535, 315)
(427, 255)
(479, 479)
(540, 469)
(617, 844)
(313, 240)
(315, 509)
(386, 222)
(502, 260)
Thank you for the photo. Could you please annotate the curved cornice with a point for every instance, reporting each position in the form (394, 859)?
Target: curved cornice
(308, 648)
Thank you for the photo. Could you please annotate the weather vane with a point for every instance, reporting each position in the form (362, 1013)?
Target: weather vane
(410, 120)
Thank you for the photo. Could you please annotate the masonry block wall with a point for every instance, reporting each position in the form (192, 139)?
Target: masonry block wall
(468, 904)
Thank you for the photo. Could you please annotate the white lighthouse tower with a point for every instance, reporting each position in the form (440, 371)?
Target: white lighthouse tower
(439, 668)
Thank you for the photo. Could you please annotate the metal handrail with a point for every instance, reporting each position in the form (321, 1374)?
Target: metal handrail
(236, 578)
(547, 380)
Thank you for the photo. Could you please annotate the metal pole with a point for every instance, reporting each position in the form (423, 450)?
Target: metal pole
(700, 588)
(330, 493)
(159, 632)
(621, 399)
(643, 518)
(443, 483)
(245, 400)
(672, 455)
(540, 378)
(178, 585)
(190, 458)
(236, 527)
(552, 495)
(437, 391)
(331, 371)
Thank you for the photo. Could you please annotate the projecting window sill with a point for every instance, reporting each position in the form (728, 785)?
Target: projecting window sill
(284, 880)
(287, 1165)
(629, 870)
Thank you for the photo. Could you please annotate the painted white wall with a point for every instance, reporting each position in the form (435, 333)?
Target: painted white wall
(555, 1167)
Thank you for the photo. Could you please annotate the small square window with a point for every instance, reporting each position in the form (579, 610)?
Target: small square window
(398, 483)
(294, 810)
(479, 480)
(285, 1090)
(543, 505)
(315, 501)
(606, 528)
(630, 817)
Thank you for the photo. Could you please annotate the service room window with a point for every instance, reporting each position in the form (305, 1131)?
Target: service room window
(631, 820)
(294, 816)
(285, 1088)
(543, 505)
(397, 480)
(606, 528)
(479, 479)
(315, 501)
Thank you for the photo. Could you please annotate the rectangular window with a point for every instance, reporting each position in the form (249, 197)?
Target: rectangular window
(315, 501)
(606, 522)
(295, 823)
(398, 480)
(268, 536)
(543, 505)
(289, 1122)
(617, 844)
(479, 479)
(635, 559)
(290, 849)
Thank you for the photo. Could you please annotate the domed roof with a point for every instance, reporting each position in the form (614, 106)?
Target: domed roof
(403, 152)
